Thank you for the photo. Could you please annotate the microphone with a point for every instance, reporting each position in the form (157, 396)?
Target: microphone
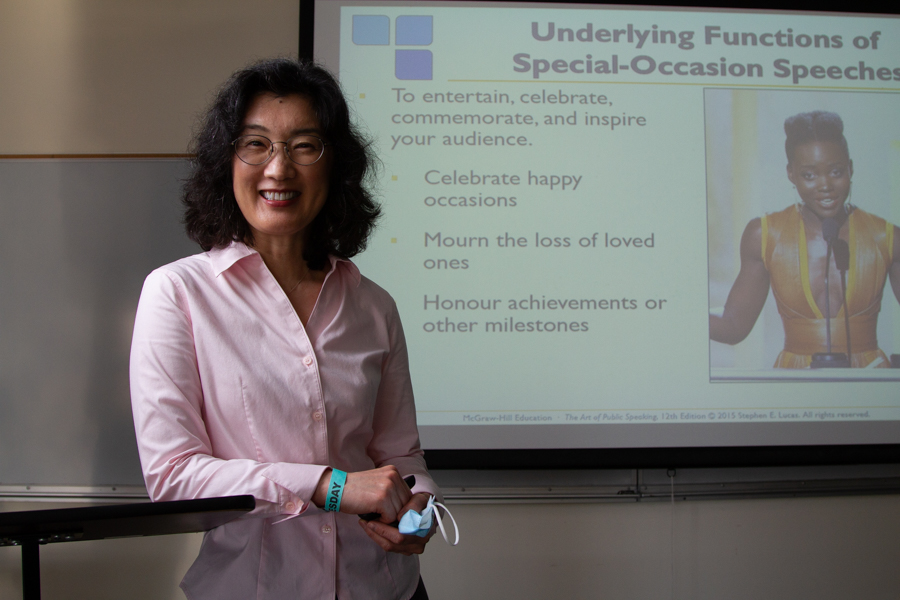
(830, 228)
(842, 262)
(829, 359)
(841, 255)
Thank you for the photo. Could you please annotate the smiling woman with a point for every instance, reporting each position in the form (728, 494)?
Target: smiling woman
(278, 197)
(791, 252)
(268, 365)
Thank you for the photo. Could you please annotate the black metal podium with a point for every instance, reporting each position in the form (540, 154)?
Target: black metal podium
(32, 528)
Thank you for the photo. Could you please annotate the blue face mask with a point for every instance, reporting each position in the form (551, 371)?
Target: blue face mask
(413, 523)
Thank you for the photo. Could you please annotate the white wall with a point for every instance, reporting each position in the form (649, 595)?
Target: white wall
(824, 548)
(105, 76)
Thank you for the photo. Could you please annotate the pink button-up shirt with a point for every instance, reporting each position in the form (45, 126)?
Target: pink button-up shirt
(232, 395)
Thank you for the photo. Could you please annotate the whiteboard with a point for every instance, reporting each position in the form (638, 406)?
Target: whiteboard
(78, 236)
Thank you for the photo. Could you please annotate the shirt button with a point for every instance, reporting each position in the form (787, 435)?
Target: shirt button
(326, 529)
(307, 360)
(290, 506)
(317, 416)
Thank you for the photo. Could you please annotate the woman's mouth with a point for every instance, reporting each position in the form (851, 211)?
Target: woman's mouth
(826, 206)
(828, 203)
(279, 196)
(279, 199)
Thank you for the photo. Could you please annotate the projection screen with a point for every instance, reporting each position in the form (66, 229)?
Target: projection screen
(566, 189)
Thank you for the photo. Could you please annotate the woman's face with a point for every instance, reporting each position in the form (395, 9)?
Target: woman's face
(280, 198)
(821, 171)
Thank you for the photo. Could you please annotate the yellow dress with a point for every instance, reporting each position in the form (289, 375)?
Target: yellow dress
(785, 256)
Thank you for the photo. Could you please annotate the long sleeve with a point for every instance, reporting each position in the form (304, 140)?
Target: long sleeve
(168, 405)
(396, 439)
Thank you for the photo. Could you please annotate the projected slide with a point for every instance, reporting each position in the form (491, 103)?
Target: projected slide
(566, 192)
(747, 179)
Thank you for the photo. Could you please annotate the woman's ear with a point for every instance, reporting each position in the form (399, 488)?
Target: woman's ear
(790, 173)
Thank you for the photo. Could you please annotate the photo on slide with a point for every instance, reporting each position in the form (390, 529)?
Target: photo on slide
(760, 257)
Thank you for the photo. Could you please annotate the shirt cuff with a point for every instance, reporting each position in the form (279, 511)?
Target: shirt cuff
(298, 483)
(426, 485)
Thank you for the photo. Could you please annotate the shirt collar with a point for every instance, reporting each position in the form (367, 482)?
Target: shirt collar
(348, 266)
(224, 258)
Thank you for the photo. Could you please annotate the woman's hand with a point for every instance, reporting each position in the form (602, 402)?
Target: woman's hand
(748, 293)
(390, 538)
(381, 491)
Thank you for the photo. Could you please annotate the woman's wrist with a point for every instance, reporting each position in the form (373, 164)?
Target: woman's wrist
(336, 486)
(320, 496)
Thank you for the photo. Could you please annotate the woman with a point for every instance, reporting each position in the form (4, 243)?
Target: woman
(788, 251)
(269, 366)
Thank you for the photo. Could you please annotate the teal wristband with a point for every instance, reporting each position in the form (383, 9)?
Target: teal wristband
(335, 490)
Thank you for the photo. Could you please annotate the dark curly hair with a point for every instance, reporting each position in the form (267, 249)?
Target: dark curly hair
(815, 126)
(212, 217)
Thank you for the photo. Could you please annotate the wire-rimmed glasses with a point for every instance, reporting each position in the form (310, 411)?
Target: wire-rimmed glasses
(303, 150)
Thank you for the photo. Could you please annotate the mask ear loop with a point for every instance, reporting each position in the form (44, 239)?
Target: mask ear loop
(440, 522)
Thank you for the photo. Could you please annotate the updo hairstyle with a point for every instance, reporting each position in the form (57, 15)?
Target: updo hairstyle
(815, 126)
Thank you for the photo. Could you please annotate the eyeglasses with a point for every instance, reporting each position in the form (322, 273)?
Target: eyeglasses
(258, 149)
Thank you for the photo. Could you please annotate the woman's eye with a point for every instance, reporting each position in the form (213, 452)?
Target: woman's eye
(304, 146)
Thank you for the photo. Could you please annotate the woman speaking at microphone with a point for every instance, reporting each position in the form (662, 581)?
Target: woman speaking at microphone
(789, 252)
(268, 365)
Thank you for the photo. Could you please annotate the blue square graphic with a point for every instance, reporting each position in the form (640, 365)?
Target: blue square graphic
(414, 30)
(412, 64)
(371, 30)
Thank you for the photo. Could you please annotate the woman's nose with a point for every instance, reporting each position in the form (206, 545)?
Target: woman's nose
(280, 166)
